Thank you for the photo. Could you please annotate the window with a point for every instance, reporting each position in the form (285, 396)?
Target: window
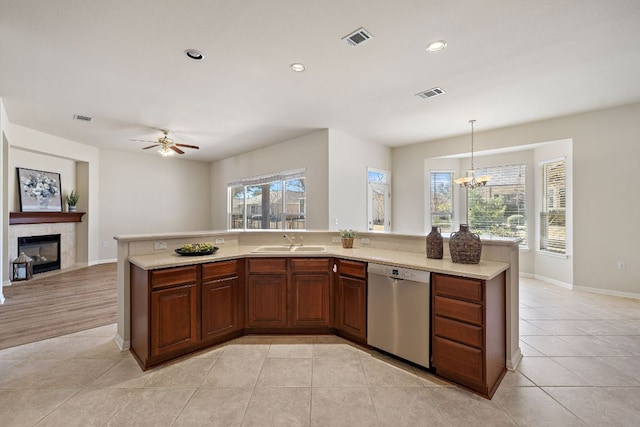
(499, 208)
(379, 200)
(441, 185)
(553, 232)
(275, 201)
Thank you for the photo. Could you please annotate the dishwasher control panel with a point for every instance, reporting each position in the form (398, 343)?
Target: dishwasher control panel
(399, 273)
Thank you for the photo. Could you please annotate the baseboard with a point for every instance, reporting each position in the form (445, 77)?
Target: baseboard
(553, 281)
(514, 361)
(607, 292)
(599, 291)
(101, 261)
(122, 344)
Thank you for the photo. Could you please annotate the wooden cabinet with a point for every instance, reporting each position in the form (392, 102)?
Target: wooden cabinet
(222, 300)
(175, 311)
(174, 319)
(267, 293)
(164, 313)
(310, 292)
(351, 299)
(468, 331)
(292, 293)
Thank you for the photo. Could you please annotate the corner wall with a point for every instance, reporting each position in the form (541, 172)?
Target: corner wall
(606, 146)
(309, 151)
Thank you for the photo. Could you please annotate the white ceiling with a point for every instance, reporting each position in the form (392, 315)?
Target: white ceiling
(507, 62)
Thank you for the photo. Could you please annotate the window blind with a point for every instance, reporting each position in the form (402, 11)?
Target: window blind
(499, 208)
(553, 234)
(441, 189)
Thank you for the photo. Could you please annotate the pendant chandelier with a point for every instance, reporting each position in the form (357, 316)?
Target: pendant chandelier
(471, 181)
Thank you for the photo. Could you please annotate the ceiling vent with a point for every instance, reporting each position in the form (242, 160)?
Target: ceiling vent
(357, 37)
(430, 93)
(81, 117)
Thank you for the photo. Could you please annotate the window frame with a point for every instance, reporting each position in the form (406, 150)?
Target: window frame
(544, 210)
(282, 179)
(452, 212)
(494, 171)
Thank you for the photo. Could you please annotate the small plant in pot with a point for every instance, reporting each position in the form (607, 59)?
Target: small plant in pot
(72, 200)
(347, 237)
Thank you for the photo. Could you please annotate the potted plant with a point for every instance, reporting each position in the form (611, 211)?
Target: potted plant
(347, 237)
(72, 200)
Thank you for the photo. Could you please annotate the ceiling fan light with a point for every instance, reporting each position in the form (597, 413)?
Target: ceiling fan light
(165, 151)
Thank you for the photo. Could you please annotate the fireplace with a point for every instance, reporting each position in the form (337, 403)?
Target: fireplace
(44, 250)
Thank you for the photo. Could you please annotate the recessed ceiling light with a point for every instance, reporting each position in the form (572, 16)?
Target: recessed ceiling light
(194, 54)
(436, 45)
(297, 67)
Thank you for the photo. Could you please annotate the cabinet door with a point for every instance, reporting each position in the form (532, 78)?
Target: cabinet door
(309, 300)
(352, 315)
(266, 305)
(219, 307)
(174, 319)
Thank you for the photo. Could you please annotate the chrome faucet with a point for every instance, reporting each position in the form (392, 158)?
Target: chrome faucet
(292, 240)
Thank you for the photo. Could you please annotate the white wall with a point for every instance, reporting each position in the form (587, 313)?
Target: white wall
(20, 141)
(349, 158)
(4, 203)
(20, 158)
(606, 148)
(309, 151)
(146, 193)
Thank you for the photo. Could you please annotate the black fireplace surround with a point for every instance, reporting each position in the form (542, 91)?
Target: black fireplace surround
(44, 250)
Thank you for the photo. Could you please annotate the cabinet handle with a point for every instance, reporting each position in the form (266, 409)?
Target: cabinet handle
(335, 268)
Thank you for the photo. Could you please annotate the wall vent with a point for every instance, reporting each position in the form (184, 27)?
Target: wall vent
(81, 117)
(430, 93)
(357, 37)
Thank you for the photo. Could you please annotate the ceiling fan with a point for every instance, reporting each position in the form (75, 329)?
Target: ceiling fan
(167, 145)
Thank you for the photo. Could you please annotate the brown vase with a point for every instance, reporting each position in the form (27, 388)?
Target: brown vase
(465, 246)
(434, 244)
(347, 242)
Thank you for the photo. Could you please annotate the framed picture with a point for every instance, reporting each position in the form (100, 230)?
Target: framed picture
(39, 191)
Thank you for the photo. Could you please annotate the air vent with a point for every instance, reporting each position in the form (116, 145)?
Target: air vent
(81, 117)
(357, 37)
(430, 93)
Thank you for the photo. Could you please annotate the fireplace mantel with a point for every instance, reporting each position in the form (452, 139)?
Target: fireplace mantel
(44, 217)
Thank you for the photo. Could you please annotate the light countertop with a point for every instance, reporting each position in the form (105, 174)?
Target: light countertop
(485, 270)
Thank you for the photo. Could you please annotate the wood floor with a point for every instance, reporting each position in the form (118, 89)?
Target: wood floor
(58, 304)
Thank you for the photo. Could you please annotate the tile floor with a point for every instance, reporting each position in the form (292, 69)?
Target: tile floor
(581, 367)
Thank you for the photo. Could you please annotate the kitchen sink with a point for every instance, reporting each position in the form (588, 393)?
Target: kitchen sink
(285, 249)
(308, 249)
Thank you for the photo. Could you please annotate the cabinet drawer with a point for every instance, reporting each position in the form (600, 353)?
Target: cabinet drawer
(459, 310)
(174, 276)
(267, 265)
(219, 269)
(352, 268)
(458, 287)
(458, 331)
(458, 359)
(320, 265)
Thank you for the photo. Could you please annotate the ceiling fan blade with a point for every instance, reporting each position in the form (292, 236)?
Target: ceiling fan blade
(140, 140)
(151, 146)
(188, 146)
(176, 149)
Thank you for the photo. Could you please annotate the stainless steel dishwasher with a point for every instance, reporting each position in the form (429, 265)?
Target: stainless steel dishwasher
(398, 317)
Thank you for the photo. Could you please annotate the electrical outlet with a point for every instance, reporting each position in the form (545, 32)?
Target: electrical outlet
(335, 221)
(365, 241)
(335, 240)
(160, 245)
(104, 243)
(219, 240)
(622, 265)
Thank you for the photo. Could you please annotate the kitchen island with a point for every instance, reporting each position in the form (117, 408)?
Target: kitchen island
(146, 254)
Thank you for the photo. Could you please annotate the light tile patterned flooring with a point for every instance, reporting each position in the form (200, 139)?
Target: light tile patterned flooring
(581, 367)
